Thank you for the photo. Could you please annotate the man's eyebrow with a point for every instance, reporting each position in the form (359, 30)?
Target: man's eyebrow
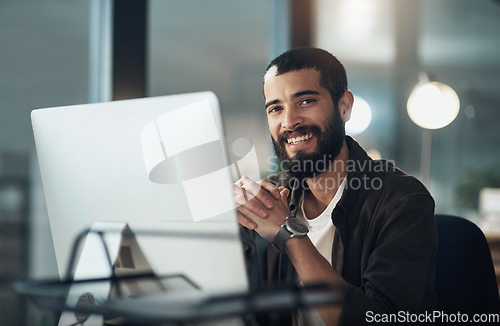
(294, 96)
(271, 103)
(306, 92)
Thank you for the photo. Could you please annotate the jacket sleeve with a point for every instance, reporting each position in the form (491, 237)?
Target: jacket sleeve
(399, 274)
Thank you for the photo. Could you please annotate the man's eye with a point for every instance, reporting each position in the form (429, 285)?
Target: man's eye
(274, 109)
(307, 101)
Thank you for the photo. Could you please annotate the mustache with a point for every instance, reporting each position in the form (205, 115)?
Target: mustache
(301, 130)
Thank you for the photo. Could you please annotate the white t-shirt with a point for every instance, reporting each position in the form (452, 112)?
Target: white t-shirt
(321, 228)
(321, 232)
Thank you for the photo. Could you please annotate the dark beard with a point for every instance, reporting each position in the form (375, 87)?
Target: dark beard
(328, 145)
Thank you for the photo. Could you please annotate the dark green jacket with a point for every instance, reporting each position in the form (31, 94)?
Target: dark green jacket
(384, 245)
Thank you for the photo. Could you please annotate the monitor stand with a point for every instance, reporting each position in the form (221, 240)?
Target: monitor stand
(110, 250)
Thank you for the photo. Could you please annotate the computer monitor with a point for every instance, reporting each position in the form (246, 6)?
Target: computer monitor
(156, 163)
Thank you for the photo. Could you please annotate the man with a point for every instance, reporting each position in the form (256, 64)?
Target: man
(371, 226)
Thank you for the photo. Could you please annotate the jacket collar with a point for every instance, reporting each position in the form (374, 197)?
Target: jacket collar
(357, 167)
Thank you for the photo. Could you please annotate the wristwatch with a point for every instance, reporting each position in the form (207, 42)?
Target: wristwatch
(293, 227)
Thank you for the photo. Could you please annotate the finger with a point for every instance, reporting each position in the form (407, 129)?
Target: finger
(241, 199)
(239, 182)
(284, 195)
(254, 205)
(239, 195)
(245, 222)
(254, 189)
(250, 186)
(245, 219)
(284, 192)
(280, 189)
(271, 187)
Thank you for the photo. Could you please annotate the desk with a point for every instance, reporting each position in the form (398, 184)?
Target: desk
(494, 243)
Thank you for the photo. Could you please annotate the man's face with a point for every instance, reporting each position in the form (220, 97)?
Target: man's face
(306, 128)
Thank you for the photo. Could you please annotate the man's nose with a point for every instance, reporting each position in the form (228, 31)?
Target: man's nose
(292, 119)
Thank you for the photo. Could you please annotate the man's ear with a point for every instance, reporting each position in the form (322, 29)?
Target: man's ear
(345, 105)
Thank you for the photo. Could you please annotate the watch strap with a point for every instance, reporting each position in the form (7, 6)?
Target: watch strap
(281, 238)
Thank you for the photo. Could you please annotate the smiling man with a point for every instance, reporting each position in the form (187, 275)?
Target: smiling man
(333, 215)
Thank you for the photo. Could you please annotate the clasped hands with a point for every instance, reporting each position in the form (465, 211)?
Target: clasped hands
(261, 206)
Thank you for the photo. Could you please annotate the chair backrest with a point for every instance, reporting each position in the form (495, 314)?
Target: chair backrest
(465, 275)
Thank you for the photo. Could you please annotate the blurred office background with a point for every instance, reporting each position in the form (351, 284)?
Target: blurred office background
(48, 58)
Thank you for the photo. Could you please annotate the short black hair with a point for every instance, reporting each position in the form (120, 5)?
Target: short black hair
(333, 76)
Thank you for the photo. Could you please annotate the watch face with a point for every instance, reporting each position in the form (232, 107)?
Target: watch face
(296, 226)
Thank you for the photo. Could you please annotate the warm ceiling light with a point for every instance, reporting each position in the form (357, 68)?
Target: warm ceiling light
(433, 105)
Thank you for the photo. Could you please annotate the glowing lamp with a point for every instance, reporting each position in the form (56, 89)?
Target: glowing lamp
(361, 117)
(433, 105)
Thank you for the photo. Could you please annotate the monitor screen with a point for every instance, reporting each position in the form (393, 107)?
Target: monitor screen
(156, 163)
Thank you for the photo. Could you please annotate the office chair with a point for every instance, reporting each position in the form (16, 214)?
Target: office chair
(465, 276)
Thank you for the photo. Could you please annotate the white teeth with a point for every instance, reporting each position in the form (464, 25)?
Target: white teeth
(297, 140)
